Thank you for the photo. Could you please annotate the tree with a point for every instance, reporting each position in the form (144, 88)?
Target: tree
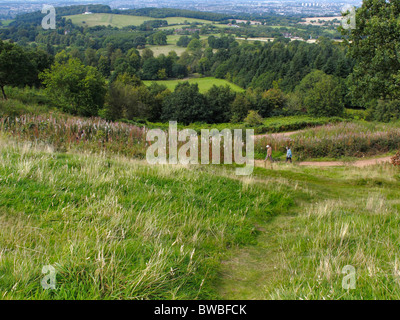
(15, 67)
(194, 44)
(78, 89)
(150, 69)
(160, 38)
(127, 98)
(386, 111)
(104, 66)
(240, 107)
(158, 93)
(253, 119)
(274, 99)
(147, 54)
(186, 104)
(321, 94)
(374, 44)
(219, 100)
(183, 41)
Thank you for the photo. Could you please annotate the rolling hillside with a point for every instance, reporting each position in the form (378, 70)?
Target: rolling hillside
(120, 20)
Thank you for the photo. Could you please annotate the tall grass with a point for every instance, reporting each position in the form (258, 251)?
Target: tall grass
(119, 229)
(72, 133)
(332, 234)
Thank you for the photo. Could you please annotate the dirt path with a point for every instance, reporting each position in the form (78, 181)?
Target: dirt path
(358, 163)
(277, 135)
(283, 134)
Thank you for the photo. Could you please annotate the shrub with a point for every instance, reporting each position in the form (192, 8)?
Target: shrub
(253, 119)
(77, 88)
(387, 110)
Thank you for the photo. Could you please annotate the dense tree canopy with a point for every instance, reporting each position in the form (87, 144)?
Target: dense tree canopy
(19, 67)
(77, 88)
(320, 95)
(375, 44)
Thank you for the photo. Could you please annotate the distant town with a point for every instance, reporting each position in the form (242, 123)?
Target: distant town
(10, 8)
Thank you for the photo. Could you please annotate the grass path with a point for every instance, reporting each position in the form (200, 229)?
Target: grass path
(347, 219)
(358, 163)
(251, 270)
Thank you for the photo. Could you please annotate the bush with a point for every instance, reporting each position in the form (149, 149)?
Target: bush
(13, 108)
(321, 95)
(253, 119)
(387, 111)
(77, 88)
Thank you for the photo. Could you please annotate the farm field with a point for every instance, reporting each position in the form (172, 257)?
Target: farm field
(204, 83)
(5, 22)
(171, 46)
(120, 20)
(157, 50)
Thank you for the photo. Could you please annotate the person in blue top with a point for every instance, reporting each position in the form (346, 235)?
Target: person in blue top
(288, 154)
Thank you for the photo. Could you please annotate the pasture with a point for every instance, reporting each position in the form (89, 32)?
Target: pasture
(5, 22)
(171, 45)
(204, 83)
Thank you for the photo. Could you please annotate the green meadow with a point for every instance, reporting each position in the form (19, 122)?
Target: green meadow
(204, 83)
(118, 228)
(170, 46)
(5, 22)
(115, 227)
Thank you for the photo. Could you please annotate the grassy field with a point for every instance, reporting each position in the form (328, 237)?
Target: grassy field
(120, 20)
(157, 50)
(115, 228)
(204, 83)
(171, 46)
(5, 22)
